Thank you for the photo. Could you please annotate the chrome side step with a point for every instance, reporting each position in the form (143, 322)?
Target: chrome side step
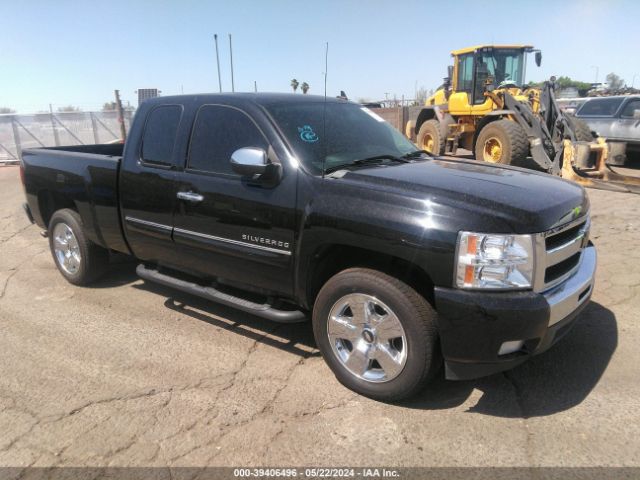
(261, 310)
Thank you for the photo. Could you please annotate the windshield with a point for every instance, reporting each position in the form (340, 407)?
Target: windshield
(349, 133)
(600, 107)
(505, 66)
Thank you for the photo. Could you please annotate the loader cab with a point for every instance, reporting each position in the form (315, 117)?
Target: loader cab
(481, 67)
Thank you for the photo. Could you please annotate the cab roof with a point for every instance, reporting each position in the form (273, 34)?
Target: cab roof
(462, 51)
(243, 98)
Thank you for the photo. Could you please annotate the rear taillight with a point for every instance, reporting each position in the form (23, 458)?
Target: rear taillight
(22, 173)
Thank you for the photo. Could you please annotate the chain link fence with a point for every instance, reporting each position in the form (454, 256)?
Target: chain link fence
(18, 132)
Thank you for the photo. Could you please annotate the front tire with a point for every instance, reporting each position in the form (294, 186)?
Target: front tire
(432, 137)
(377, 334)
(502, 141)
(78, 259)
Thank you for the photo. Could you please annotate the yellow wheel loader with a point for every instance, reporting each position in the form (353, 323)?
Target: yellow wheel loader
(485, 106)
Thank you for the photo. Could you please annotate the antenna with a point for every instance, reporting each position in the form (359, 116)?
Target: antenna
(326, 61)
(324, 107)
(215, 38)
(231, 56)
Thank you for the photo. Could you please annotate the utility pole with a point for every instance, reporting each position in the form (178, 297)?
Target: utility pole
(215, 38)
(123, 129)
(597, 71)
(56, 139)
(231, 57)
(255, 86)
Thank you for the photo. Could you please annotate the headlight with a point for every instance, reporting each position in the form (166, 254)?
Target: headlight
(494, 261)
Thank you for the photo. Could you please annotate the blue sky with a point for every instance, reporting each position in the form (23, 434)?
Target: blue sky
(71, 52)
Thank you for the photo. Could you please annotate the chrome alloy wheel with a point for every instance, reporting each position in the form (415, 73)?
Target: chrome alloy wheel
(367, 338)
(66, 248)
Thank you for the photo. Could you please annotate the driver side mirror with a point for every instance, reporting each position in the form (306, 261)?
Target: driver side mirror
(254, 163)
(538, 58)
(249, 161)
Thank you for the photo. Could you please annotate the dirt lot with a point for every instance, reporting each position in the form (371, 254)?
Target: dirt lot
(127, 373)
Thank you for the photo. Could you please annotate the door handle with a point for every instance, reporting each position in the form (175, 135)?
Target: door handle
(190, 197)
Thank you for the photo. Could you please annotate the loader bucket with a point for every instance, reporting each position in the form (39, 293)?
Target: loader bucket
(586, 163)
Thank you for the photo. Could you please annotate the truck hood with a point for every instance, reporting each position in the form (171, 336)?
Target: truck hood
(502, 198)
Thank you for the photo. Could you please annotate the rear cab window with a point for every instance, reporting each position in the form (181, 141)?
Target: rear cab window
(159, 138)
(600, 107)
(218, 131)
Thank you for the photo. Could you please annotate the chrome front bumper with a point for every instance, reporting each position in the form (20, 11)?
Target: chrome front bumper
(573, 292)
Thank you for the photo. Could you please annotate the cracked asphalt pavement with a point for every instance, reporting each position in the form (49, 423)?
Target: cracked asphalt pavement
(133, 374)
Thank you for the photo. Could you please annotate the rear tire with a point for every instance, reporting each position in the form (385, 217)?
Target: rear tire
(388, 353)
(502, 141)
(78, 259)
(432, 137)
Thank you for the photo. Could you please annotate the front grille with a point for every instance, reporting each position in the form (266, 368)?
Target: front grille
(559, 270)
(563, 237)
(561, 251)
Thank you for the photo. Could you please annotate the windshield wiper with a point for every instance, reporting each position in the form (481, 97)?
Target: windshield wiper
(380, 157)
(416, 154)
(366, 161)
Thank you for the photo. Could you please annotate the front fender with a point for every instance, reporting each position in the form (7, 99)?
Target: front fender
(399, 227)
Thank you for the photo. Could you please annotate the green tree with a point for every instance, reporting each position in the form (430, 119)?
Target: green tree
(109, 106)
(304, 87)
(566, 82)
(69, 108)
(7, 110)
(294, 85)
(614, 81)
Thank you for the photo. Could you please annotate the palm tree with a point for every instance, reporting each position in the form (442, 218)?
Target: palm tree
(294, 85)
(304, 87)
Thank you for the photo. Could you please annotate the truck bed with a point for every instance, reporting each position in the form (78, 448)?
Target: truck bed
(82, 177)
(107, 149)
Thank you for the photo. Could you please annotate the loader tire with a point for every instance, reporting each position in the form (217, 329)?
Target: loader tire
(432, 137)
(502, 141)
(581, 129)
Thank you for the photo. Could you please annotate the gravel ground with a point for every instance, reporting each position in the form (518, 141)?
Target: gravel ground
(131, 374)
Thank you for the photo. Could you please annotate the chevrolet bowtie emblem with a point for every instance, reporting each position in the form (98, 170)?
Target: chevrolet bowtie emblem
(576, 212)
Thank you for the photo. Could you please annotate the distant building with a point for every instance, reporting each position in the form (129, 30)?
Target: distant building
(147, 93)
(568, 92)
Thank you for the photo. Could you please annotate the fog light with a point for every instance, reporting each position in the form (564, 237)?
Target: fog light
(510, 347)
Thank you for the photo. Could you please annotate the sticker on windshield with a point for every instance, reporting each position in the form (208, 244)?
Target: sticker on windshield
(372, 114)
(307, 134)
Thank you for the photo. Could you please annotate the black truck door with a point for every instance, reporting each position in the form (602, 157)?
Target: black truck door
(147, 185)
(226, 226)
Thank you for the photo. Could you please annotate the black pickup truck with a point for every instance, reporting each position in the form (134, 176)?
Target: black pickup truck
(294, 206)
